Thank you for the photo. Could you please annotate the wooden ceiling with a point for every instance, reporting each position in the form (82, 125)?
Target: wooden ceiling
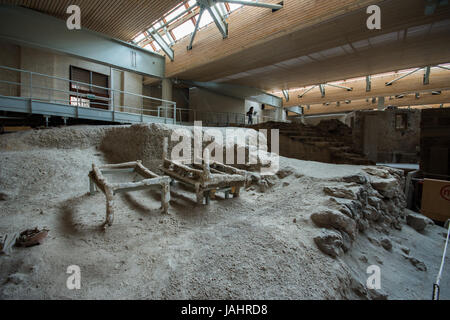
(439, 81)
(425, 99)
(120, 19)
(311, 42)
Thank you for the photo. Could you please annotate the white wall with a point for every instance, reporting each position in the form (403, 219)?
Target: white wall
(9, 57)
(204, 100)
(58, 65)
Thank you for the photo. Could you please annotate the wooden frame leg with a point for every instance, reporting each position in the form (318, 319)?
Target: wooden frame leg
(165, 197)
(91, 186)
(109, 208)
(207, 197)
(236, 192)
(199, 194)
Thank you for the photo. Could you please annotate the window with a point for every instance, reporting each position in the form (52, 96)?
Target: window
(86, 88)
(183, 30)
(139, 38)
(234, 6)
(206, 19)
(401, 121)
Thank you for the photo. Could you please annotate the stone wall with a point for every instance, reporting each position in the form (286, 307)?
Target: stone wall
(435, 141)
(376, 135)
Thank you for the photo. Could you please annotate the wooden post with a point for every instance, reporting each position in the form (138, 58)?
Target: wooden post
(165, 148)
(109, 207)
(165, 197)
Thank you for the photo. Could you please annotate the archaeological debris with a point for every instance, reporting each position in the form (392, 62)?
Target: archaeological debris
(26, 238)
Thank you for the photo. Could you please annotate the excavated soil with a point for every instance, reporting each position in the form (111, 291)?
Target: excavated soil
(262, 245)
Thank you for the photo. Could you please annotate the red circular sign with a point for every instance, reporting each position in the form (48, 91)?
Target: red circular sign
(445, 192)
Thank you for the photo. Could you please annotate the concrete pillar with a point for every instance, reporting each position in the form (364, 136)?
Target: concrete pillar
(380, 103)
(166, 94)
(279, 114)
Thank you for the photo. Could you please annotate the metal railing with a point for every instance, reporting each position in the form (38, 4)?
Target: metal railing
(57, 90)
(214, 118)
(52, 89)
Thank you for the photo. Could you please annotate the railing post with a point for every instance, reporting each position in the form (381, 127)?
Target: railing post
(111, 92)
(31, 85)
(174, 113)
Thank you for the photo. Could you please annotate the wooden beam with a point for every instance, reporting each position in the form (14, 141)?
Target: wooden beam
(408, 100)
(301, 35)
(439, 81)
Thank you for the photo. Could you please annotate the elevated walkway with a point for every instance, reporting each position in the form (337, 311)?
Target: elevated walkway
(48, 109)
(32, 93)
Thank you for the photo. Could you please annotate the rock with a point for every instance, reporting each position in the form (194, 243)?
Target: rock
(371, 214)
(357, 178)
(329, 242)
(286, 184)
(340, 192)
(406, 250)
(358, 288)
(378, 260)
(417, 221)
(389, 188)
(386, 243)
(362, 196)
(346, 241)
(374, 202)
(285, 172)
(396, 224)
(355, 207)
(345, 210)
(4, 196)
(335, 219)
(377, 172)
(343, 206)
(377, 295)
(373, 241)
(417, 263)
(17, 278)
(362, 225)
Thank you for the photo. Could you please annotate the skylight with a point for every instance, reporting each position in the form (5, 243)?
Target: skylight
(206, 19)
(180, 22)
(183, 30)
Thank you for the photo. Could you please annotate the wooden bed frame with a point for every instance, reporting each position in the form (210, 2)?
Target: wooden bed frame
(151, 181)
(206, 179)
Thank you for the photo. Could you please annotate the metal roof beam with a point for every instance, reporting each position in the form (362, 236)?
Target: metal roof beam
(426, 76)
(338, 86)
(286, 94)
(255, 4)
(195, 29)
(303, 94)
(219, 20)
(162, 43)
(403, 76)
(322, 90)
(368, 83)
